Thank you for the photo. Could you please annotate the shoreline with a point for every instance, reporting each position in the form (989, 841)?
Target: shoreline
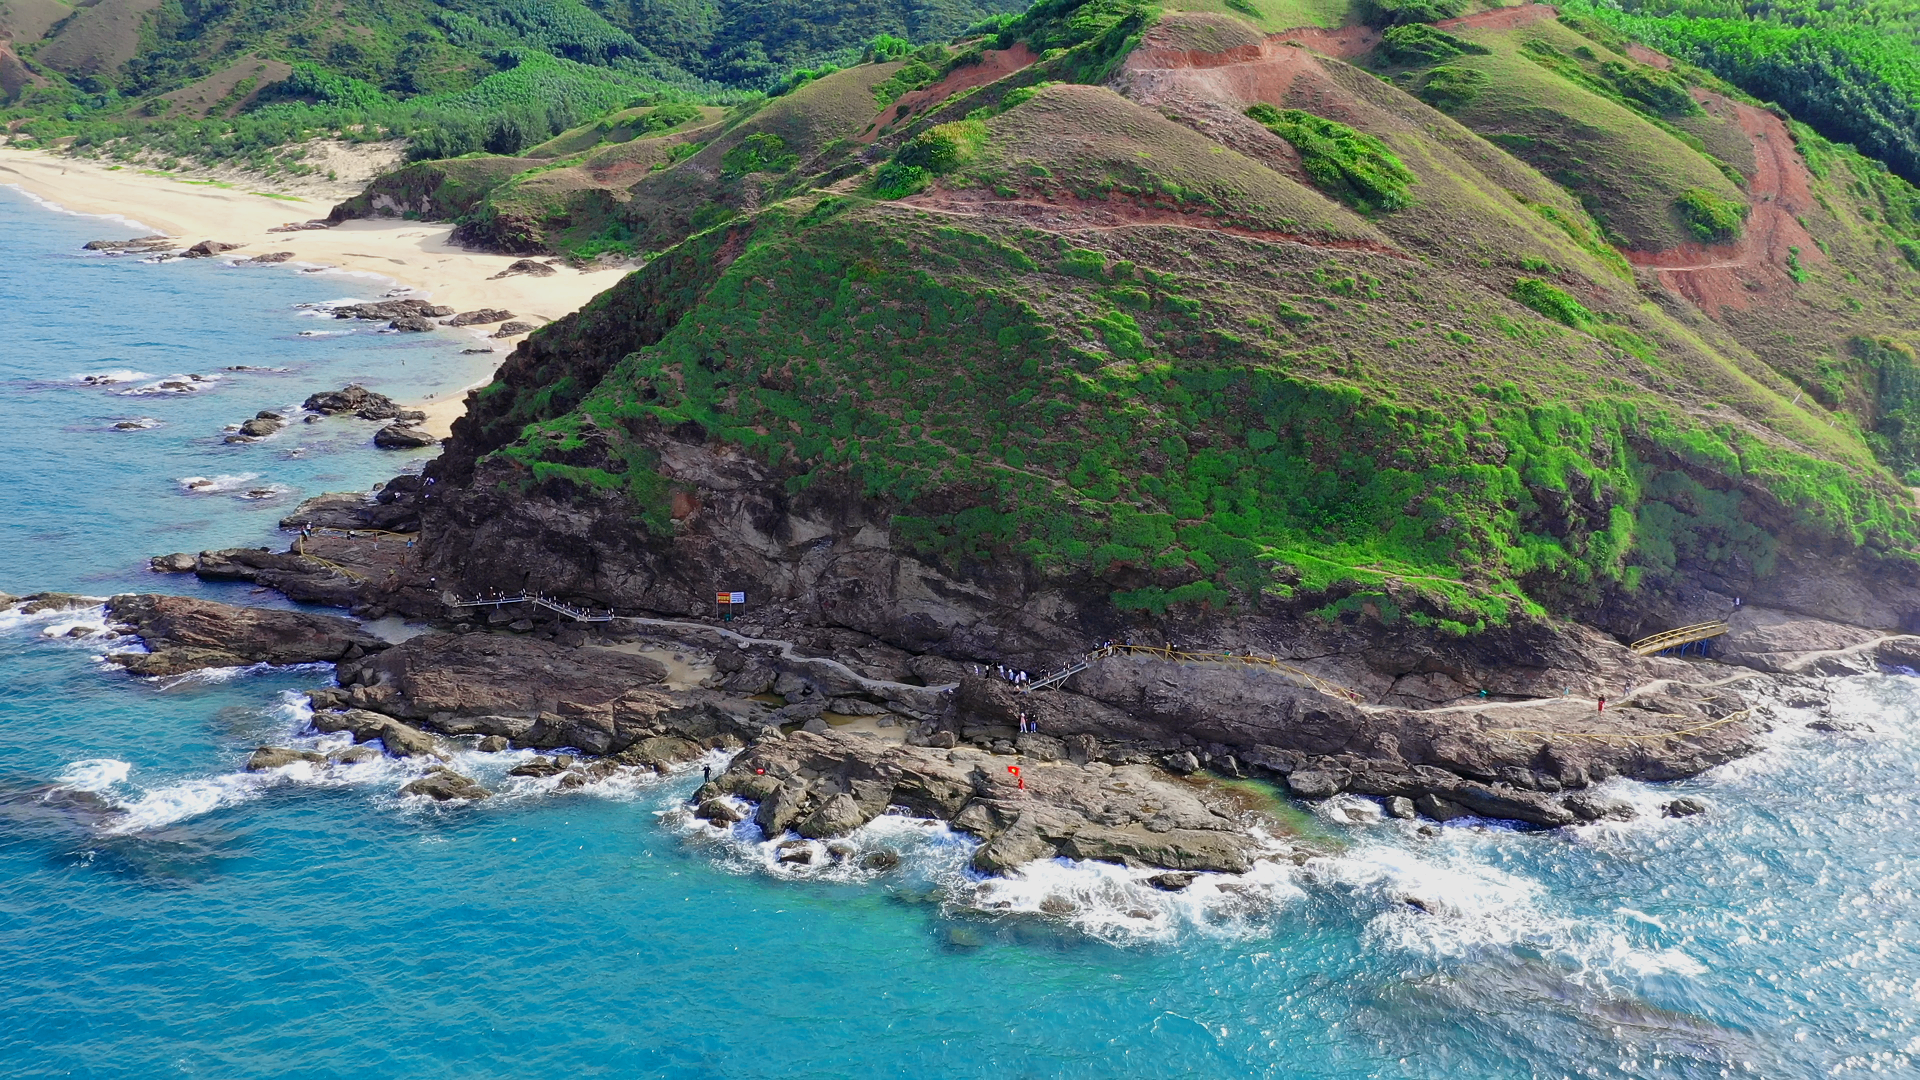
(413, 255)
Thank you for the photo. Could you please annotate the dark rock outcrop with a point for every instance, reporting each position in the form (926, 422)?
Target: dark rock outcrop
(402, 437)
(185, 634)
(509, 329)
(413, 324)
(389, 310)
(830, 784)
(444, 785)
(208, 248)
(262, 424)
(526, 266)
(480, 318)
(361, 402)
(353, 510)
(143, 245)
(268, 259)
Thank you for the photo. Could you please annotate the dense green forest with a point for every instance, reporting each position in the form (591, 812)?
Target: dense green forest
(1849, 70)
(453, 76)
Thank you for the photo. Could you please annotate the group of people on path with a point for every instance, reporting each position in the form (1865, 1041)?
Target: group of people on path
(1011, 675)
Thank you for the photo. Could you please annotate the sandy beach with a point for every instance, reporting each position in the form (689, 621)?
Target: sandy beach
(231, 209)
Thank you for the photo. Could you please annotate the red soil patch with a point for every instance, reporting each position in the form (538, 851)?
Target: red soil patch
(1649, 57)
(1714, 276)
(1346, 43)
(994, 65)
(1502, 18)
(1064, 213)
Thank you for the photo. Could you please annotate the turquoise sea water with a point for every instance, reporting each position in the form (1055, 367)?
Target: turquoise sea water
(162, 913)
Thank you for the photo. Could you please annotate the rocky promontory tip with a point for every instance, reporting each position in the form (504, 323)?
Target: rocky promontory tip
(184, 634)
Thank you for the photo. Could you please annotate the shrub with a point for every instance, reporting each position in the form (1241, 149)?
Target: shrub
(897, 181)
(1450, 88)
(1397, 12)
(1354, 167)
(945, 147)
(1418, 43)
(1710, 217)
(762, 151)
(1553, 302)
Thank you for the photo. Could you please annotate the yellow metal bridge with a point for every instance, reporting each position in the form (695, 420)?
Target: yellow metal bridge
(1673, 639)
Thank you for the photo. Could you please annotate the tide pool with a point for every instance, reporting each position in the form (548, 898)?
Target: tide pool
(164, 913)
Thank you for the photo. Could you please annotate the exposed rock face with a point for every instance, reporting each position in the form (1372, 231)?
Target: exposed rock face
(361, 402)
(177, 563)
(354, 510)
(207, 248)
(828, 785)
(185, 634)
(510, 329)
(402, 437)
(480, 317)
(298, 577)
(413, 324)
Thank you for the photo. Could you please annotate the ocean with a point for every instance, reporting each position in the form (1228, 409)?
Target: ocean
(164, 913)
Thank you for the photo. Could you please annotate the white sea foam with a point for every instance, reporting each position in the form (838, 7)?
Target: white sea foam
(215, 485)
(173, 384)
(139, 423)
(110, 378)
(94, 774)
(176, 802)
(13, 617)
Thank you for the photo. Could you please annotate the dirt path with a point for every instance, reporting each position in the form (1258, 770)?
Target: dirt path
(1065, 213)
(995, 64)
(1715, 276)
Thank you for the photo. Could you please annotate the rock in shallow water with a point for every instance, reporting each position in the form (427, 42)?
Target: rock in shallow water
(402, 437)
(444, 785)
(185, 634)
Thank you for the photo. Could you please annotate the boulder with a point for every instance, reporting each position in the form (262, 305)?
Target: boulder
(1685, 806)
(525, 266)
(513, 329)
(480, 317)
(1439, 809)
(660, 752)
(444, 785)
(268, 259)
(399, 739)
(140, 245)
(494, 744)
(837, 816)
(207, 248)
(1588, 806)
(794, 853)
(1401, 807)
(1012, 849)
(177, 563)
(274, 757)
(1172, 881)
(719, 812)
(1313, 784)
(402, 437)
(354, 399)
(1176, 849)
(387, 310)
(880, 861)
(413, 324)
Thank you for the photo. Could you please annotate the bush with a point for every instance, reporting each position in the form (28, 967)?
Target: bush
(1450, 88)
(762, 151)
(1418, 43)
(1555, 303)
(1356, 168)
(897, 181)
(1399, 12)
(945, 147)
(1709, 217)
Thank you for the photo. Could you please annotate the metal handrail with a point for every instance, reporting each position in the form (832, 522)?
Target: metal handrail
(1685, 635)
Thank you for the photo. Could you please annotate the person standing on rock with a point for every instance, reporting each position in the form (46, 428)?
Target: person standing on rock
(1603, 704)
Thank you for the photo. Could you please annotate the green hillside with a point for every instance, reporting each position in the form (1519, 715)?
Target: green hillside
(1172, 357)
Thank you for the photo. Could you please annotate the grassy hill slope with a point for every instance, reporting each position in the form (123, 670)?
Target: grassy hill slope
(1155, 348)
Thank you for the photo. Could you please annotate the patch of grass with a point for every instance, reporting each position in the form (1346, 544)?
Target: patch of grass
(1451, 89)
(1553, 302)
(1418, 43)
(1709, 217)
(761, 152)
(1356, 168)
